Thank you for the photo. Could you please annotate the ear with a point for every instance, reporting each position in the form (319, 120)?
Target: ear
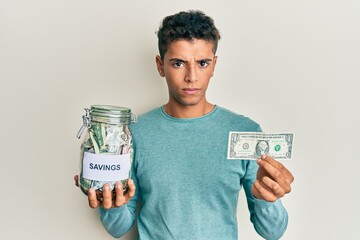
(160, 65)
(214, 65)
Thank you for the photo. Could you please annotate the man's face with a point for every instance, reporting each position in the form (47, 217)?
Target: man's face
(262, 145)
(187, 67)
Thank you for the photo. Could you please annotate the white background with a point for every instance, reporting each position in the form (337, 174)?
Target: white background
(289, 65)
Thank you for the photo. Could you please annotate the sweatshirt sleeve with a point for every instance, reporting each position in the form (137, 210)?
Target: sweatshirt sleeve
(269, 219)
(118, 221)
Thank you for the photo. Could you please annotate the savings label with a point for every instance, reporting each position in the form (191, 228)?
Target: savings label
(103, 167)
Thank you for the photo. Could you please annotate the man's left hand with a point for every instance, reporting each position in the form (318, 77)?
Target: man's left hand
(273, 180)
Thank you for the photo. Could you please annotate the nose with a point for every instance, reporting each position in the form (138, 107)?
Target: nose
(191, 75)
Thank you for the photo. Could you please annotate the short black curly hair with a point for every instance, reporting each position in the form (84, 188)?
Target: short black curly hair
(189, 25)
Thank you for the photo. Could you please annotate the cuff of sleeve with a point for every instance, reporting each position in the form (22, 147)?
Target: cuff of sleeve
(113, 211)
(260, 203)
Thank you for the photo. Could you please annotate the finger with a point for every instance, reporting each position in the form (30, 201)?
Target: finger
(273, 186)
(276, 175)
(289, 177)
(131, 191)
(119, 199)
(264, 192)
(107, 197)
(255, 192)
(76, 179)
(271, 170)
(93, 202)
(276, 171)
(272, 161)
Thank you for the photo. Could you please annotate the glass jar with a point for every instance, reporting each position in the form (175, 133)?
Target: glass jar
(106, 151)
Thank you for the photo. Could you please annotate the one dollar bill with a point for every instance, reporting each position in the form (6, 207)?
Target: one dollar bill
(251, 145)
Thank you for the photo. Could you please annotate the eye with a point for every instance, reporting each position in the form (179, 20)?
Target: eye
(203, 63)
(178, 64)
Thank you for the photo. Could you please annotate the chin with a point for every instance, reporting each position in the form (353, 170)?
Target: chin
(189, 101)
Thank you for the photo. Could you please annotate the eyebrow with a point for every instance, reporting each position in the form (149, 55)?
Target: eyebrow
(180, 60)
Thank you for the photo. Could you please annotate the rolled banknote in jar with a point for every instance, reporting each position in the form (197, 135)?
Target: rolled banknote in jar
(106, 151)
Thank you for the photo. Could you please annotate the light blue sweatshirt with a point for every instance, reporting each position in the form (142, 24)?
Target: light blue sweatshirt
(188, 187)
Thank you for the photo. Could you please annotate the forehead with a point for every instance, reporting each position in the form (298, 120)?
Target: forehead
(184, 48)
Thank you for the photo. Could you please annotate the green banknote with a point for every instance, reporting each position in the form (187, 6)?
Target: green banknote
(251, 145)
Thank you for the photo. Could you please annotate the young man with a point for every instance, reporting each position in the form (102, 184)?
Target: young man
(189, 189)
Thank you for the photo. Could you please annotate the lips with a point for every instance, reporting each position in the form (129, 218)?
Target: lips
(191, 91)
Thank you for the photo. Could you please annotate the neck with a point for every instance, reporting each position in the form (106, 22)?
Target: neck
(181, 111)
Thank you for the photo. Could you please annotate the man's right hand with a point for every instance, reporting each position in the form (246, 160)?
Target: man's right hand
(108, 202)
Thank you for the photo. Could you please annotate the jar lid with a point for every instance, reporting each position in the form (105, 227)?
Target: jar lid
(111, 114)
